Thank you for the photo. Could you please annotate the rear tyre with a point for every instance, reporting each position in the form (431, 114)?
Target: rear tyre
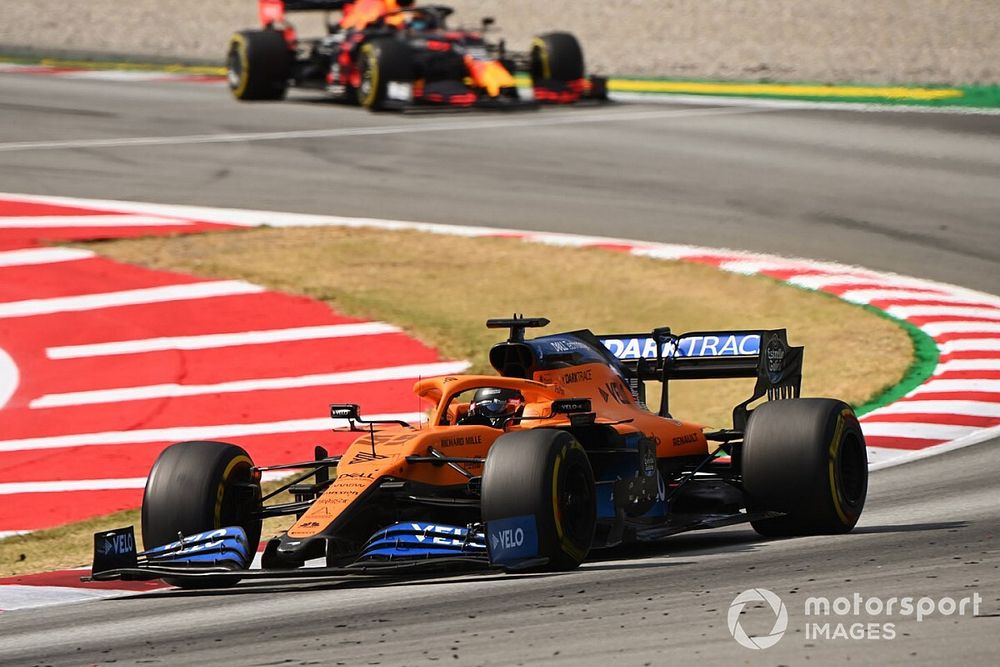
(380, 62)
(546, 474)
(556, 56)
(258, 65)
(198, 486)
(805, 457)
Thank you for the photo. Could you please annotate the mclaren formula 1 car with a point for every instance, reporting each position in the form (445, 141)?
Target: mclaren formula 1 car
(534, 468)
(402, 59)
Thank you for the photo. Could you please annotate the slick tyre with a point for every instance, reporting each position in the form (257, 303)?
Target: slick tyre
(380, 62)
(199, 486)
(805, 457)
(258, 65)
(556, 56)
(544, 474)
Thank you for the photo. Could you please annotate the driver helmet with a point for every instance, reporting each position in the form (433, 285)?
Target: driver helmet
(496, 405)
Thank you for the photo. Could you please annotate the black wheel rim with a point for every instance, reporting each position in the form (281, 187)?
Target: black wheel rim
(240, 501)
(851, 470)
(535, 66)
(234, 68)
(365, 88)
(576, 504)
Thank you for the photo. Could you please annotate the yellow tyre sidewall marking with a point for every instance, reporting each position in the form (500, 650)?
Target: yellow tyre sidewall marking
(222, 486)
(543, 55)
(240, 43)
(834, 449)
(372, 56)
(567, 546)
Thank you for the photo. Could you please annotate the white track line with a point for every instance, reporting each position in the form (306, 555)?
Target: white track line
(970, 345)
(181, 433)
(919, 430)
(938, 328)
(106, 484)
(869, 295)
(10, 377)
(906, 312)
(821, 281)
(67, 304)
(34, 256)
(117, 75)
(154, 391)
(958, 386)
(941, 407)
(797, 105)
(20, 67)
(55, 221)
(954, 295)
(578, 118)
(20, 596)
(11, 488)
(749, 267)
(211, 341)
(968, 365)
(4, 534)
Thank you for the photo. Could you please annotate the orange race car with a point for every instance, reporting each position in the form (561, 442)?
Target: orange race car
(530, 469)
(392, 54)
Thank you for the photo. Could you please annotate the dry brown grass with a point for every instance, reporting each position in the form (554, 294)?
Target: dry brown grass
(441, 289)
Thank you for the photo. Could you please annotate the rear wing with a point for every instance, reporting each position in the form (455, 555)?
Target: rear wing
(308, 5)
(661, 355)
(272, 12)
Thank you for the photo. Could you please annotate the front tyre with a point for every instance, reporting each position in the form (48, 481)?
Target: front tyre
(381, 62)
(258, 65)
(544, 475)
(199, 486)
(556, 57)
(805, 457)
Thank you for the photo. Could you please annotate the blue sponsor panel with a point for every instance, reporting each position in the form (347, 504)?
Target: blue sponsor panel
(631, 348)
(416, 540)
(224, 547)
(512, 540)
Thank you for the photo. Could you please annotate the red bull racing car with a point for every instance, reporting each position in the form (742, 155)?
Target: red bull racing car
(390, 54)
(533, 468)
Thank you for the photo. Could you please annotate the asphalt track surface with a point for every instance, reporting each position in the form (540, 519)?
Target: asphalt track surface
(916, 194)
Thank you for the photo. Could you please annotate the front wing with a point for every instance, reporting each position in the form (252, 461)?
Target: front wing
(221, 556)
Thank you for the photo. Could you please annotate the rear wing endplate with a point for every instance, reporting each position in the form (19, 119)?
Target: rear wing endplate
(311, 5)
(661, 355)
